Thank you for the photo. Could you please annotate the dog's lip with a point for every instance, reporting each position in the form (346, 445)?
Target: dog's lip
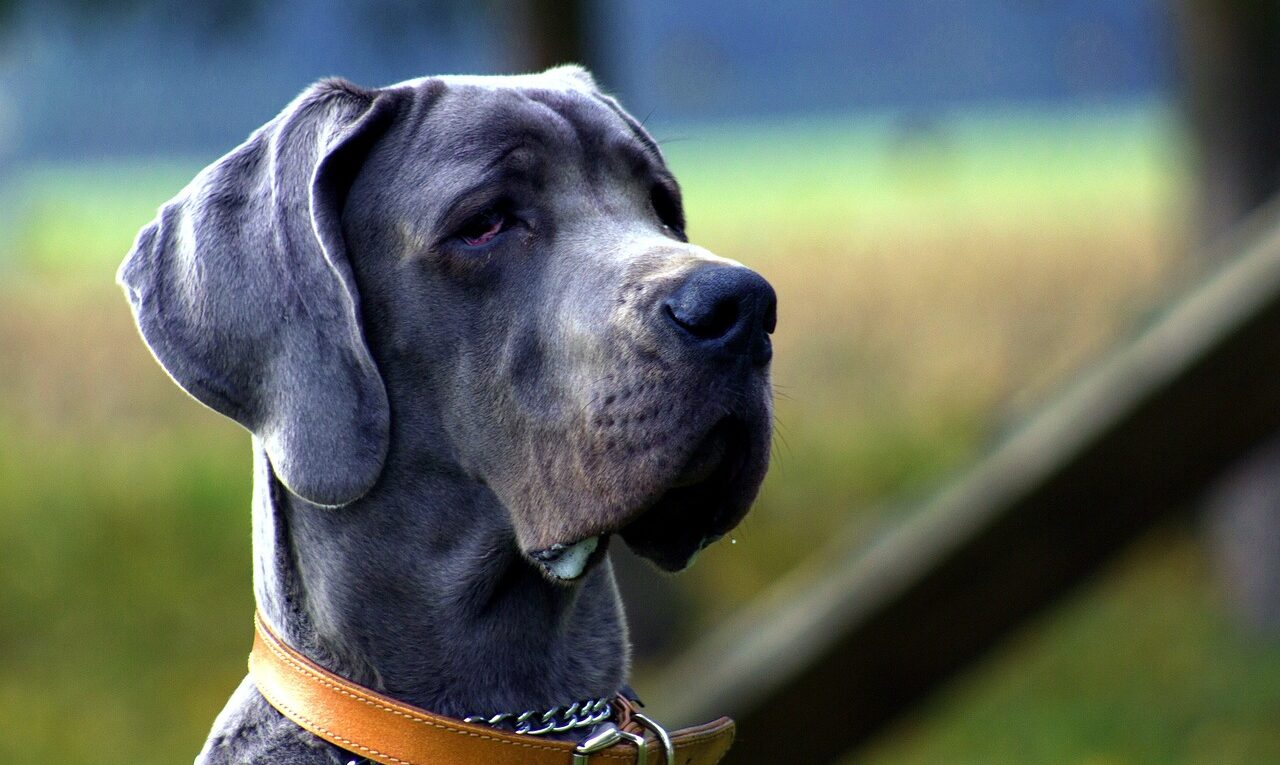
(567, 562)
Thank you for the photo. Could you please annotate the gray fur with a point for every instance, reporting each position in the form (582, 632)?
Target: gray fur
(426, 416)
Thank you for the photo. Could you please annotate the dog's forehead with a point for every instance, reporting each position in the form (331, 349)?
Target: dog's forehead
(473, 115)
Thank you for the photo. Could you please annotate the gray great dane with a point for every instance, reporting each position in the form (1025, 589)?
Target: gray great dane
(463, 324)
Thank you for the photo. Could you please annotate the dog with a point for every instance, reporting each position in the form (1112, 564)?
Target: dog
(472, 344)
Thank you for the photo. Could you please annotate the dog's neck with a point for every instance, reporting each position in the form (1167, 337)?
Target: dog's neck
(418, 591)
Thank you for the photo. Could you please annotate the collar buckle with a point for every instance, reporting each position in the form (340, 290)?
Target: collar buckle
(605, 739)
(611, 735)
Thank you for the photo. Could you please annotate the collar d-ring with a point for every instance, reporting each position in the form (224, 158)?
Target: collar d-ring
(664, 738)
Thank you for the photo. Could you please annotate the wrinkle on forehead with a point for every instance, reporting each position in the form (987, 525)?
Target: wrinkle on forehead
(637, 130)
(469, 127)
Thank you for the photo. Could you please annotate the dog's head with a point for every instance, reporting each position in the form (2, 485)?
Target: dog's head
(507, 254)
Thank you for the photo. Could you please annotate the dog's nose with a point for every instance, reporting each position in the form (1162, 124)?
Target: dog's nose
(727, 310)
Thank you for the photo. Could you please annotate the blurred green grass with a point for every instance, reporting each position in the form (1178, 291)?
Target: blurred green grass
(75, 221)
(935, 280)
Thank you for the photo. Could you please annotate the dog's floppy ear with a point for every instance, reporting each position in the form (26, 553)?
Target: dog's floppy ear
(243, 291)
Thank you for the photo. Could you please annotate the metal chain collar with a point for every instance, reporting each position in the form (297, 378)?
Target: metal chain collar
(579, 714)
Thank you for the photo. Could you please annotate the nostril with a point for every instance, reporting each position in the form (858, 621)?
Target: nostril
(718, 321)
(771, 315)
(707, 322)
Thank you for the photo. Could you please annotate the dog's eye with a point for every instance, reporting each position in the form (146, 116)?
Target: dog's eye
(483, 228)
(667, 209)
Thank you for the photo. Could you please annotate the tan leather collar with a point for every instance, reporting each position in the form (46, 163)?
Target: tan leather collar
(387, 731)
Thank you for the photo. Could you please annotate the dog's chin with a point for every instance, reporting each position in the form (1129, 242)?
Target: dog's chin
(699, 503)
(708, 498)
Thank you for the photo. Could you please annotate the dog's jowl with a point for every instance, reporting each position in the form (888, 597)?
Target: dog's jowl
(462, 321)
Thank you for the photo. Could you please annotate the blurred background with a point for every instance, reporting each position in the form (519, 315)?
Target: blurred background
(963, 207)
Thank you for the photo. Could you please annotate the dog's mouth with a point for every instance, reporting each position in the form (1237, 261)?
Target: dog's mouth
(706, 498)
